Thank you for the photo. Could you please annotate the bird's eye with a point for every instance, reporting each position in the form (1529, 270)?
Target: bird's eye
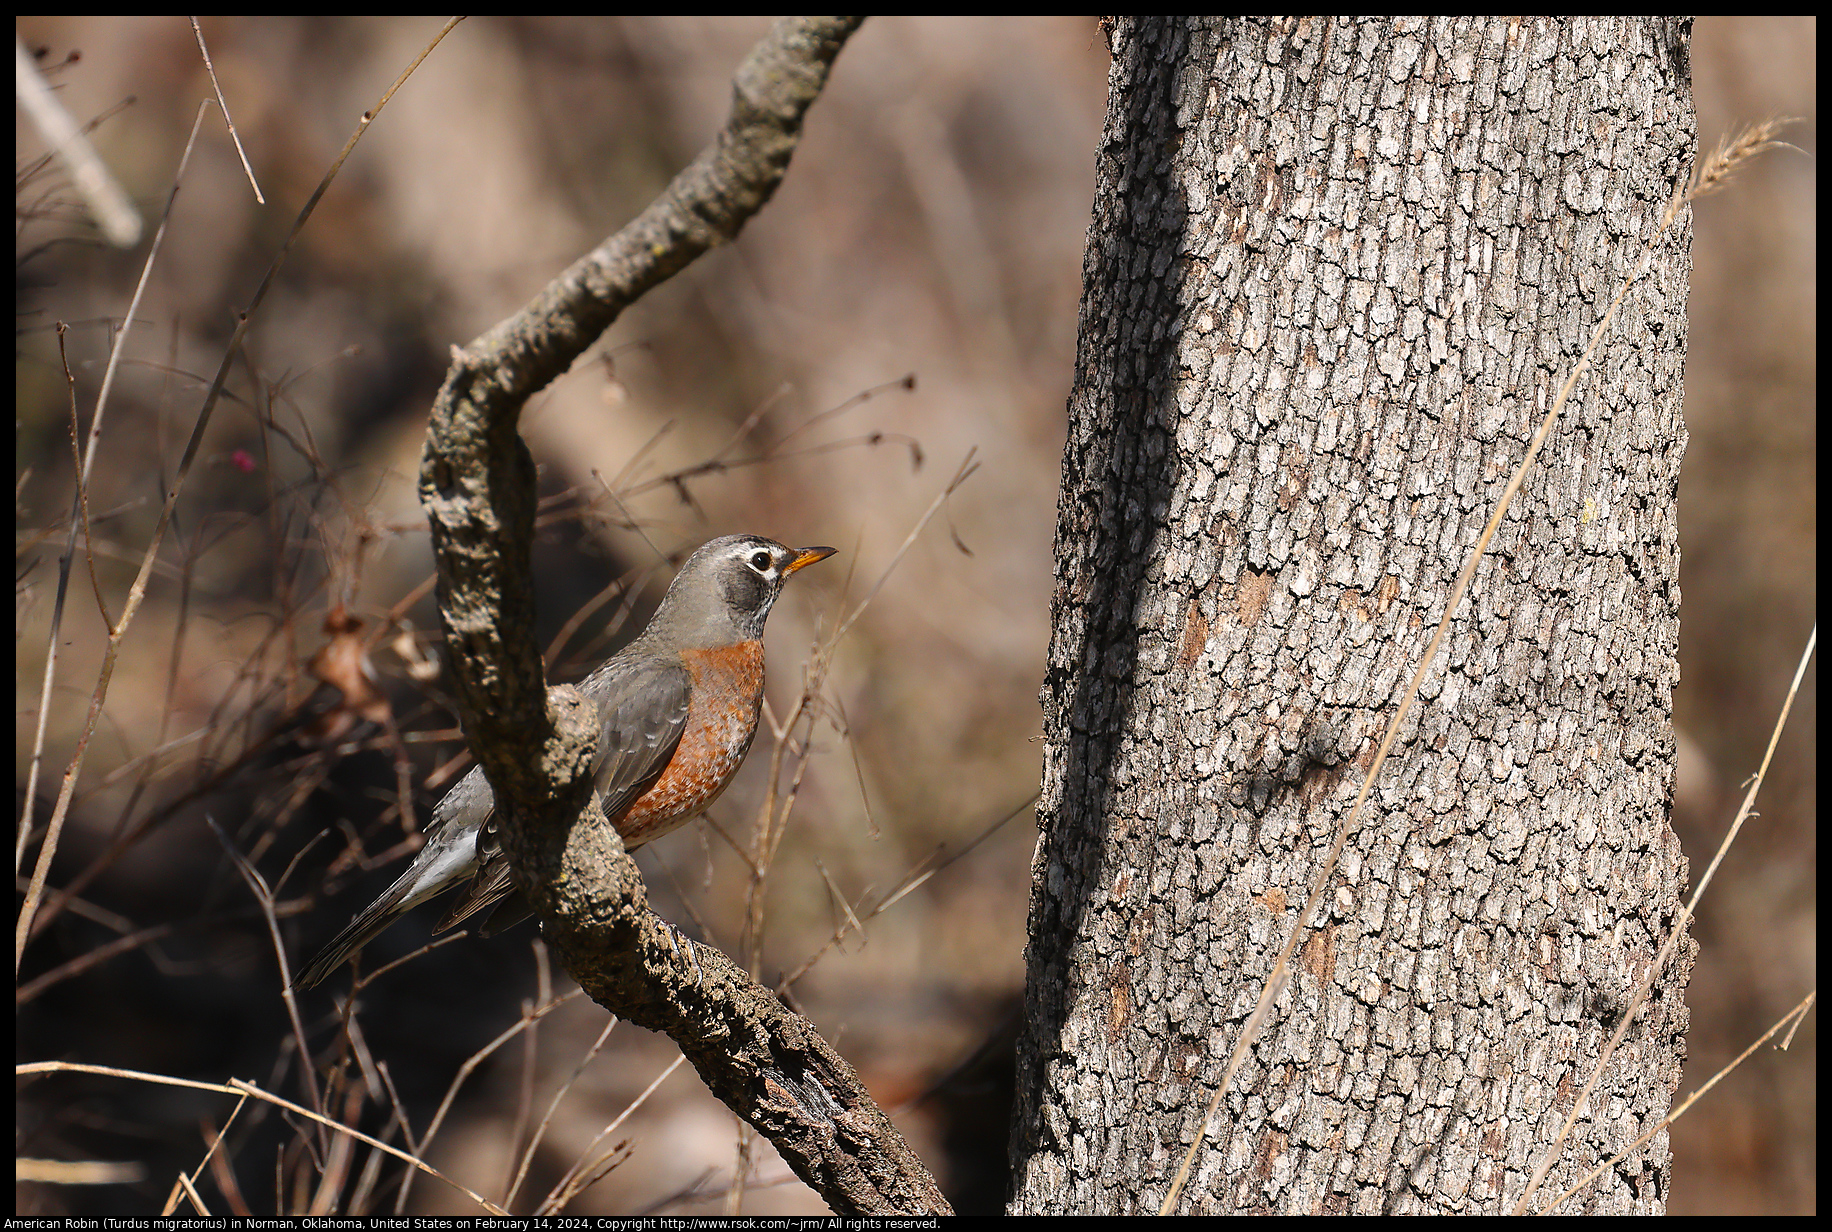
(760, 561)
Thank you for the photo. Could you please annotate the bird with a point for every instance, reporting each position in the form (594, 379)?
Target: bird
(677, 709)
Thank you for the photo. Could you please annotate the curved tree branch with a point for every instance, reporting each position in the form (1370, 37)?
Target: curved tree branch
(477, 483)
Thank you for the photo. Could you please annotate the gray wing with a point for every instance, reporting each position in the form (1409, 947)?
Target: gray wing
(642, 711)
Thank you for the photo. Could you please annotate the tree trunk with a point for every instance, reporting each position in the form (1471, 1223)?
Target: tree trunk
(1336, 274)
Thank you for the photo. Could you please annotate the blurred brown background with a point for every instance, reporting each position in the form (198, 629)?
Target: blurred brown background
(931, 224)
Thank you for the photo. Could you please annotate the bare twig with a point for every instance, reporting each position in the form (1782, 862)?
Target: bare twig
(235, 137)
(236, 1086)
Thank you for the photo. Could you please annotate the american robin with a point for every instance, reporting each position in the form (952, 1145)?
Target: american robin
(678, 707)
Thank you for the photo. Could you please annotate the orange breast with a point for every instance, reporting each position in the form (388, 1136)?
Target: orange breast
(721, 719)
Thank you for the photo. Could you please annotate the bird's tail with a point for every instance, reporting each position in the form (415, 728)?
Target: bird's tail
(362, 930)
(449, 857)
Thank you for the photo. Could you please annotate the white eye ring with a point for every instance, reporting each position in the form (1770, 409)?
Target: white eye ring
(761, 561)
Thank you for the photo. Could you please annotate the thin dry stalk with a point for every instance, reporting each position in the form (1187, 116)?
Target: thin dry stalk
(1791, 1020)
(471, 1063)
(560, 1093)
(53, 639)
(257, 885)
(236, 1086)
(213, 1159)
(218, 1162)
(1715, 171)
(203, 50)
(587, 1172)
(363, 1192)
(772, 821)
(911, 882)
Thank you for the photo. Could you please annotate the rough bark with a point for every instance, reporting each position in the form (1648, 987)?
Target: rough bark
(1336, 273)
